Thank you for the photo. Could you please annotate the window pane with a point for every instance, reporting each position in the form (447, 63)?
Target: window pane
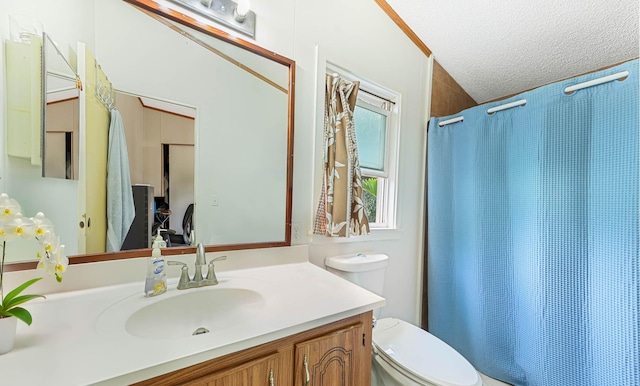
(370, 194)
(371, 134)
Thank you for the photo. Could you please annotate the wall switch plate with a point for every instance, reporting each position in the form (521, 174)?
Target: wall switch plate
(295, 232)
(214, 200)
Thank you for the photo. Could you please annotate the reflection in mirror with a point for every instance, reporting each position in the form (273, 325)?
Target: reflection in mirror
(242, 98)
(246, 144)
(61, 112)
(160, 140)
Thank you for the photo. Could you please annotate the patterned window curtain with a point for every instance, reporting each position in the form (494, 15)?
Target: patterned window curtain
(341, 208)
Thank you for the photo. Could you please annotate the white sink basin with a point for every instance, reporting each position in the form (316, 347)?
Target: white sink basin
(181, 314)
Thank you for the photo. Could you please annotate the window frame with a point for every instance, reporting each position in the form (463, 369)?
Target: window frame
(387, 113)
(387, 202)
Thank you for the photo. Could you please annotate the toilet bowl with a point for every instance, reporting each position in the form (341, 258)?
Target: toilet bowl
(403, 354)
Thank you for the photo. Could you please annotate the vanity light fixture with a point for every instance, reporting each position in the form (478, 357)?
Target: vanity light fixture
(241, 11)
(236, 16)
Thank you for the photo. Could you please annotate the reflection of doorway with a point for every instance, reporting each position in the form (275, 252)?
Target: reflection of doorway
(160, 142)
(179, 161)
(58, 157)
(61, 138)
(174, 213)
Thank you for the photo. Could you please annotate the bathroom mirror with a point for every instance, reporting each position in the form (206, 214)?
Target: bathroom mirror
(243, 99)
(61, 113)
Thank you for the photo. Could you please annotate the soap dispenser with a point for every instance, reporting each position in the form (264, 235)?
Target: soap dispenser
(156, 282)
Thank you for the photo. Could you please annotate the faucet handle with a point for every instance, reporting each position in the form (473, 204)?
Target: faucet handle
(218, 258)
(211, 273)
(183, 283)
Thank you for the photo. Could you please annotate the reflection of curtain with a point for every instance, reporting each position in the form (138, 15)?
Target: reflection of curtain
(341, 209)
(533, 267)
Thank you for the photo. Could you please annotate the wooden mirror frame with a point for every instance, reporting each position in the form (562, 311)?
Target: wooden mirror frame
(154, 10)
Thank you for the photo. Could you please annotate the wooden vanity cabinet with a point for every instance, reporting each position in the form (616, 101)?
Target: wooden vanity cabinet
(338, 358)
(273, 369)
(336, 354)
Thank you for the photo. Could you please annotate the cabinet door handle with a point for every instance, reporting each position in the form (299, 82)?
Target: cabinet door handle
(306, 370)
(272, 382)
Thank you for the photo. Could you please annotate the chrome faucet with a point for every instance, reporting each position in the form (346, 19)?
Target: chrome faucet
(198, 280)
(201, 260)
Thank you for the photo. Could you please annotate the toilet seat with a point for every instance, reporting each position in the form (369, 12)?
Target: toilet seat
(422, 355)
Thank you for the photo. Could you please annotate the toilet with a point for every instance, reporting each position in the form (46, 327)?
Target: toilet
(403, 354)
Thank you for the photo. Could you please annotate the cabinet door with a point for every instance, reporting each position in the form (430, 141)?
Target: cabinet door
(341, 358)
(271, 370)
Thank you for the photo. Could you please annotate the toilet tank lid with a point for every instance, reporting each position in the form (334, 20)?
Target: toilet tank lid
(359, 262)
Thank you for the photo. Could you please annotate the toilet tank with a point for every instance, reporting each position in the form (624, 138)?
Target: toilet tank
(366, 270)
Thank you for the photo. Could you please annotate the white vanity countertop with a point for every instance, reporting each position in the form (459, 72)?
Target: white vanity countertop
(71, 343)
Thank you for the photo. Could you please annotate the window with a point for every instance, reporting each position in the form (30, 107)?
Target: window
(375, 135)
(376, 118)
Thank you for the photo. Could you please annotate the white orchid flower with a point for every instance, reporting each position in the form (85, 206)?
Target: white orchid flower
(51, 254)
(62, 261)
(48, 265)
(8, 207)
(16, 226)
(3, 231)
(49, 243)
(42, 225)
(55, 264)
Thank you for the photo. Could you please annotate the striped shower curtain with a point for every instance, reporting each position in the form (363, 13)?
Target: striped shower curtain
(533, 268)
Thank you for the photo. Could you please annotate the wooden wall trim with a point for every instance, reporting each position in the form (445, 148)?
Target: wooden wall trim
(403, 26)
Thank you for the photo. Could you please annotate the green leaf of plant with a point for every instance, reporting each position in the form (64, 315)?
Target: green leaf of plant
(370, 185)
(21, 314)
(19, 300)
(17, 290)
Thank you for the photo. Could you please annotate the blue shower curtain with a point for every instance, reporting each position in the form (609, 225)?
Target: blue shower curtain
(533, 268)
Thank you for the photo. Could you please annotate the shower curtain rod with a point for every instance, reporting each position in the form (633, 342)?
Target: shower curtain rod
(609, 78)
(452, 120)
(506, 106)
(568, 90)
(490, 111)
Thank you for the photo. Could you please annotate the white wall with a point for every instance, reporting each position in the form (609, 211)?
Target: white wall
(358, 36)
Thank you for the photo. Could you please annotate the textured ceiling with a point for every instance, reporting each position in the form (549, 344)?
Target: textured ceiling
(497, 48)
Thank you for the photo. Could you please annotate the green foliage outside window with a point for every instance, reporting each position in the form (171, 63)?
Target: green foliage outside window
(370, 187)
